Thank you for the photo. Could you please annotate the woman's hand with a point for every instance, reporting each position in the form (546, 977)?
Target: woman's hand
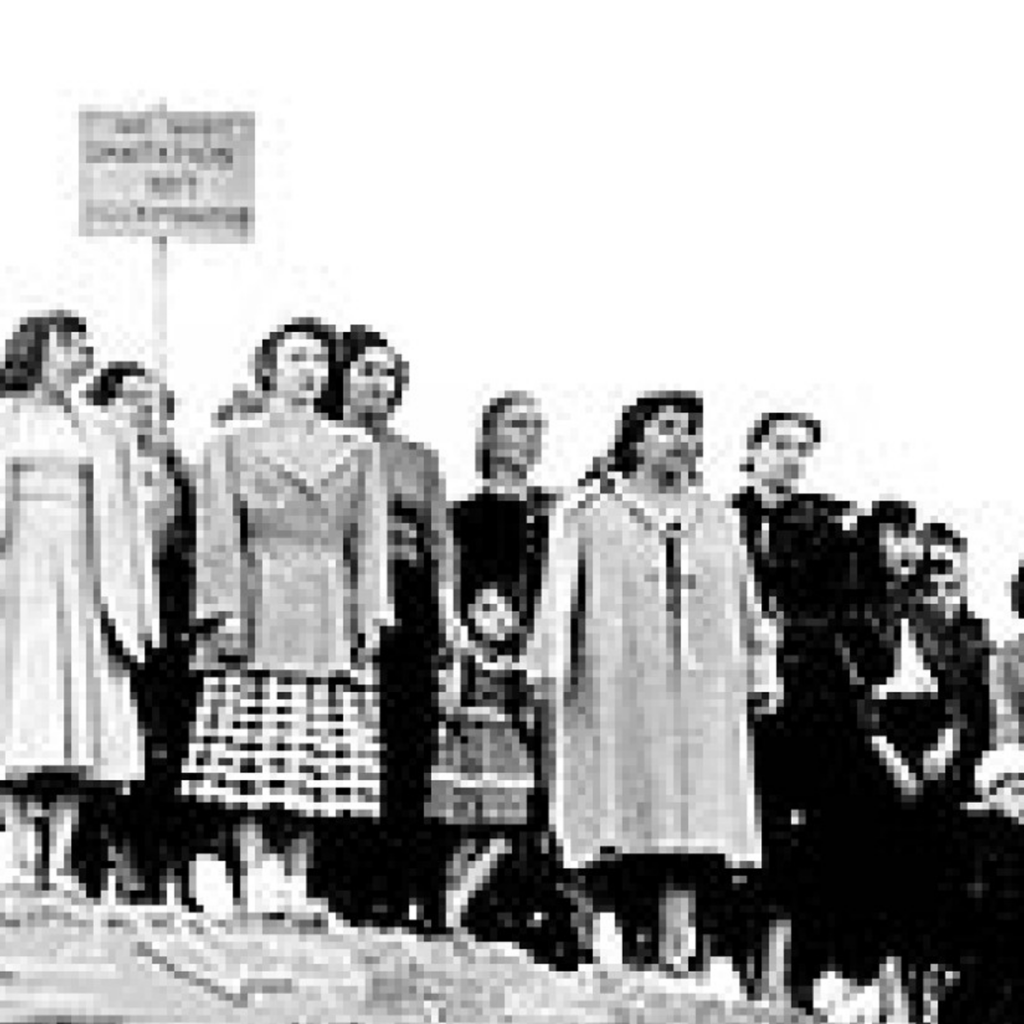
(938, 759)
(907, 781)
(231, 637)
(450, 696)
(366, 648)
(1008, 799)
(767, 694)
(457, 643)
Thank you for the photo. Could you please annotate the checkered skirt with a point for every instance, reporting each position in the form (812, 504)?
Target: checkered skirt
(306, 745)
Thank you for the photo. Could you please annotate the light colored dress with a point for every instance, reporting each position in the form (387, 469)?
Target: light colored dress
(650, 643)
(291, 539)
(77, 591)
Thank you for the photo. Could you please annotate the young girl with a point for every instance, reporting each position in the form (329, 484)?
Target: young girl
(483, 783)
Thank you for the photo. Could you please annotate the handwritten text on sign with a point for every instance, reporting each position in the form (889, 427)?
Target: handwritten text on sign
(185, 175)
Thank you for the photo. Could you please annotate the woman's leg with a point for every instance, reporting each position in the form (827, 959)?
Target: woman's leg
(63, 826)
(678, 939)
(23, 840)
(253, 852)
(298, 859)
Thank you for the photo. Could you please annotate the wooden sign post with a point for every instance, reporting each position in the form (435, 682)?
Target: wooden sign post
(161, 174)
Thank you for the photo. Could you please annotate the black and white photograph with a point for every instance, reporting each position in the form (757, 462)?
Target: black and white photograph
(509, 514)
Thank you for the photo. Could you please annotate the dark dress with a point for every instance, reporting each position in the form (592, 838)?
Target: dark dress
(420, 556)
(150, 820)
(908, 859)
(501, 541)
(170, 698)
(490, 759)
(165, 829)
(802, 556)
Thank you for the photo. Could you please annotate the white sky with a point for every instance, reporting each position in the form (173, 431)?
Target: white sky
(801, 205)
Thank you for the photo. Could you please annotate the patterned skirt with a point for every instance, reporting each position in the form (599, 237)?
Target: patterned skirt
(484, 775)
(305, 745)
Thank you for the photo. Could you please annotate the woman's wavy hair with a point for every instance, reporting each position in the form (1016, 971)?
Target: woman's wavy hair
(351, 347)
(29, 347)
(872, 575)
(623, 456)
(108, 384)
(265, 358)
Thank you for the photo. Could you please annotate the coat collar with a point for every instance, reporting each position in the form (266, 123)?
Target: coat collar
(305, 447)
(681, 519)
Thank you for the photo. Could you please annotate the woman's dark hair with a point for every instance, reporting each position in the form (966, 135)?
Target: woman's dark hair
(1017, 593)
(766, 422)
(28, 348)
(943, 535)
(492, 414)
(352, 346)
(623, 457)
(763, 426)
(872, 573)
(109, 383)
(265, 360)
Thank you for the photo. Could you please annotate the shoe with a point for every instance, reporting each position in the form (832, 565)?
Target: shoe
(607, 941)
(722, 980)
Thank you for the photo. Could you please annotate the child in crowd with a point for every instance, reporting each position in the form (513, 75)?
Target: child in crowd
(483, 782)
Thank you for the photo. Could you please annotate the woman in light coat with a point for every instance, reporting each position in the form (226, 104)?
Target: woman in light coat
(650, 644)
(291, 567)
(76, 591)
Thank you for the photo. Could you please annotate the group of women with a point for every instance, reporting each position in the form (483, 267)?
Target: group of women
(674, 728)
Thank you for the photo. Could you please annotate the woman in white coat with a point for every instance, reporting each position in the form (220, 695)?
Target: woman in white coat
(650, 644)
(76, 590)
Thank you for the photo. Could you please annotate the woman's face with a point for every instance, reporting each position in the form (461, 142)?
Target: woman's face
(518, 437)
(300, 373)
(672, 443)
(371, 383)
(946, 587)
(902, 550)
(69, 359)
(143, 404)
(492, 616)
(780, 459)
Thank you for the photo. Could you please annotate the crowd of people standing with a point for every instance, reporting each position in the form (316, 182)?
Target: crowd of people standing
(630, 721)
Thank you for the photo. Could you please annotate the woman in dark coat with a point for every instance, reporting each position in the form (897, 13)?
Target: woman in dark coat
(920, 673)
(368, 387)
(801, 549)
(484, 783)
(166, 690)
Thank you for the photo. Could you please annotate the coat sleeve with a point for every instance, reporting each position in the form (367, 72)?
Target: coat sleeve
(548, 656)
(372, 599)
(1005, 683)
(1004, 757)
(758, 632)
(122, 536)
(219, 558)
(442, 546)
